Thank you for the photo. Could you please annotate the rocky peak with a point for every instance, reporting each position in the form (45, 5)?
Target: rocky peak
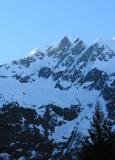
(108, 44)
(36, 53)
(78, 46)
(65, 42)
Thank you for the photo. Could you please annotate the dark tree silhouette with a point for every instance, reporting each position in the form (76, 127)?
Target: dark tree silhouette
(100, 145)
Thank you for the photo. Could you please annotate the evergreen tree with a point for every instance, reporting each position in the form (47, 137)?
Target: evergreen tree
(100, 145)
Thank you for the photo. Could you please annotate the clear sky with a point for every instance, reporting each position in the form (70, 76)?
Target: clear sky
(28, 24)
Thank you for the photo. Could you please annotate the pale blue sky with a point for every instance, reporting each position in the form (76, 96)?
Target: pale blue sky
(27, 24)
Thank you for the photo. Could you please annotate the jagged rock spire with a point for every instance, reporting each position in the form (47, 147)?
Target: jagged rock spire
(78, 46)
(65, 42)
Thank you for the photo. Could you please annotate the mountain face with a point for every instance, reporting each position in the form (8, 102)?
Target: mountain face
(47, 96)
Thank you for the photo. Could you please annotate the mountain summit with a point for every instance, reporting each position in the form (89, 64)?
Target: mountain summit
(64, 43)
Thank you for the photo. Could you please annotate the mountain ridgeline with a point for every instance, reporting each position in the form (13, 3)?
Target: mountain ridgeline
(48, 96)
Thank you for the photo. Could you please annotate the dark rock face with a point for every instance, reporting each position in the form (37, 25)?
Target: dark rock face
(109, 96)
(57, 75)
(22, 79)
(78, 48)
(100, 81)
(26, 62)
(25, 79)
(45, 72)
(64, 43)
(76, 75)
(20, 134)
(67, 113)
(97, 77)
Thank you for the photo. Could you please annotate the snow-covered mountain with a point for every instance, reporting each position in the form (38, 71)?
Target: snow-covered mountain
(54, 92)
